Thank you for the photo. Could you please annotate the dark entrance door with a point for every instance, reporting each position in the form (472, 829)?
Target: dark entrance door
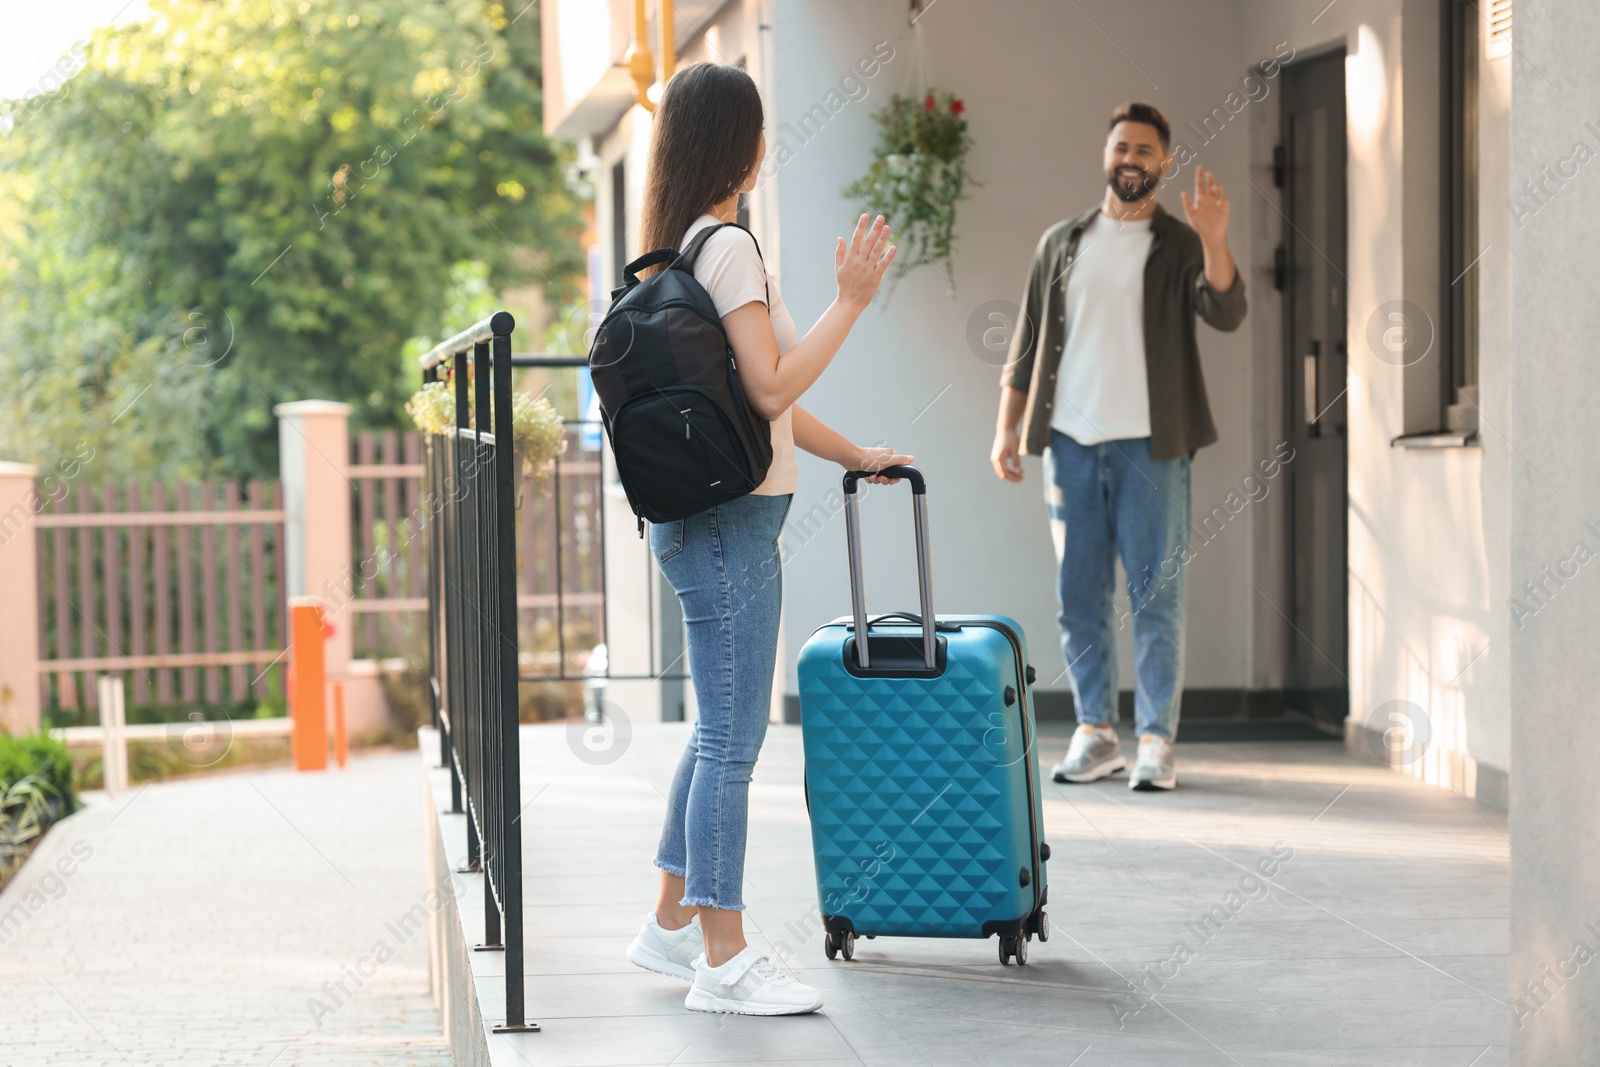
(1313, 171)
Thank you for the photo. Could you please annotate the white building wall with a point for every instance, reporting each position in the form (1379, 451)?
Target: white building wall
(1553, 997)
(1038, 82)
(1428, 558)
(1429, 582)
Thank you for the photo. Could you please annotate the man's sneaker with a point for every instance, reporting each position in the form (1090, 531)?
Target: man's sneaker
(671, 952)
(1093, 754)
(1154, 769)
(749, 984)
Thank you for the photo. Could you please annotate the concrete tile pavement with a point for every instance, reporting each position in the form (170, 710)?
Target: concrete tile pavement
(264, 919)
(1379, 940)
(213, 921)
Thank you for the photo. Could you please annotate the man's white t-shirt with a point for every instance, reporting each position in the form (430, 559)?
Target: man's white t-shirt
(730, 269)
(1102, 392)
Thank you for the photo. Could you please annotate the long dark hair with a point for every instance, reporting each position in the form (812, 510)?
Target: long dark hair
(704, 142)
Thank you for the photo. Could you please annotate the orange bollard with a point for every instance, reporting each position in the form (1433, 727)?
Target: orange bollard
(341, 746)
(307, 669)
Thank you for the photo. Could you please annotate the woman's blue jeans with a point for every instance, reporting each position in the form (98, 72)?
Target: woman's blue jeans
(1109, 500)
(724, 565)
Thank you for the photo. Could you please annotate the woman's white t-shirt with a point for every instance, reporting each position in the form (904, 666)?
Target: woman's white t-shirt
(730, 269)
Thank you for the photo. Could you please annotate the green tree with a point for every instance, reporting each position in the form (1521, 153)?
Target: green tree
(240, 203)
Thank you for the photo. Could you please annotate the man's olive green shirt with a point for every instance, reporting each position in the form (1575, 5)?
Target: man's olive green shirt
(1175, 291)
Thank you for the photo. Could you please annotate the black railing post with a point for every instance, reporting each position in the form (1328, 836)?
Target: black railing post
(480, 546)
(452, 570)
(431, 374)
(505, 536)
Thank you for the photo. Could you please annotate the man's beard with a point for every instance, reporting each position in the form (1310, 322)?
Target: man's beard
(1131, 191)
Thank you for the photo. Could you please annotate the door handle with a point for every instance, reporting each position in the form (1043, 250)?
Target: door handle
(1312, 365)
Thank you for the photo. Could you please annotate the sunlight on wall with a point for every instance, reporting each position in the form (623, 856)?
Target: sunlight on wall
(1445, 760)
(1367, 86)
(1432, 682)
(1367, 630)
(1356, 400)
(1419, 690)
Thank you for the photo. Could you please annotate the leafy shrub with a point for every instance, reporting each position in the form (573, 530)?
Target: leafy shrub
(35, 791)
(43, 757)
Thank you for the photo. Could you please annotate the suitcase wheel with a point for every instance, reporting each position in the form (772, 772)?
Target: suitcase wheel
(1043, 929)
(1013, 948)
(843, 944)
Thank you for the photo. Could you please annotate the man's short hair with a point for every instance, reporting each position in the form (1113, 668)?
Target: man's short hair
(1134, 111)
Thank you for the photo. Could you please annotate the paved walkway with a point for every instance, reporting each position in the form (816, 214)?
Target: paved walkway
(1380, 937)
(196, 922)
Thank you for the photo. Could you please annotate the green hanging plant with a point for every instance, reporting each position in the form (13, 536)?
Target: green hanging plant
(917, 176)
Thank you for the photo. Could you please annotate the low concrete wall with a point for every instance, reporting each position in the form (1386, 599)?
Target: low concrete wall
(366, 708)
(453, 968)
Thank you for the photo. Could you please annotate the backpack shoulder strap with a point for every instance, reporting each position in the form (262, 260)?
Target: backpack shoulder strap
(686, 259)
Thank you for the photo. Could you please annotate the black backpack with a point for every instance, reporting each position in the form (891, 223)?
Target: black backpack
(682, 433)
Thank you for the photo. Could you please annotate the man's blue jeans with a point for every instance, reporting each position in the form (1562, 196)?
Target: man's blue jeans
(724, 565)
(1110, 500)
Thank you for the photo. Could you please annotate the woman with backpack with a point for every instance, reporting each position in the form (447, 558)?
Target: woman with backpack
(706, 147)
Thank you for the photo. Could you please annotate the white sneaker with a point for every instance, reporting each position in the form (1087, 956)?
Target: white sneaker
(671, 952)
(1155, 768)
(1094, 753)
(749, 984)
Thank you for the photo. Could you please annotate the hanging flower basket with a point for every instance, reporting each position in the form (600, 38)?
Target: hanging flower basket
(917, 176)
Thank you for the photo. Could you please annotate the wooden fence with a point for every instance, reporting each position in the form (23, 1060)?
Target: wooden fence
(388, 516)
(177, 588)
(180, 588)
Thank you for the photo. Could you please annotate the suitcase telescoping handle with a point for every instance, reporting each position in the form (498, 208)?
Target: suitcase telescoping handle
(852, 528)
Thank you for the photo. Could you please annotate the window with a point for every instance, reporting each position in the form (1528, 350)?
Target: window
(1499, 29)
(1458, 230)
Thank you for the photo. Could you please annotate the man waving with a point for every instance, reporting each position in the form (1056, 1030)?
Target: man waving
(1104, 379)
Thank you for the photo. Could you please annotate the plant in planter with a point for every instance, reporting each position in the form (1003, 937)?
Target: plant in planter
(538, 433)
(432, 408)
(917, 176)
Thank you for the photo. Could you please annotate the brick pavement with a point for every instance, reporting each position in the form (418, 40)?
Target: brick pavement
(256, 919)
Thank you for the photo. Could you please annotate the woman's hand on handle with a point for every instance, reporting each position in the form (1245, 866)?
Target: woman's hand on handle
(813, 435)
(859, 264)
(877, 458)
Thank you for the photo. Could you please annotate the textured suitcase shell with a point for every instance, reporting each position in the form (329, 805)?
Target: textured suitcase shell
(923, 792)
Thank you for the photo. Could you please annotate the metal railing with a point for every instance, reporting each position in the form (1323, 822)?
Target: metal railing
(475, 660)
(472, 628)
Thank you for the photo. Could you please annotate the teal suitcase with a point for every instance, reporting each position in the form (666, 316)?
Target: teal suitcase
(920, 774)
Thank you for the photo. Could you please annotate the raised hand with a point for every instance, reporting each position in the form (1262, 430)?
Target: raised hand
(859, 264)
(1207, 209)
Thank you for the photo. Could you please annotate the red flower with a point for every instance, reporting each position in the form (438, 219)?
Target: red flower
(927, 105)
(957, 107)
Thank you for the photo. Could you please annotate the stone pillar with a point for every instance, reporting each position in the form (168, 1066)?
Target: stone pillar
(1554, 652)
(314, 464)
(19, 619)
